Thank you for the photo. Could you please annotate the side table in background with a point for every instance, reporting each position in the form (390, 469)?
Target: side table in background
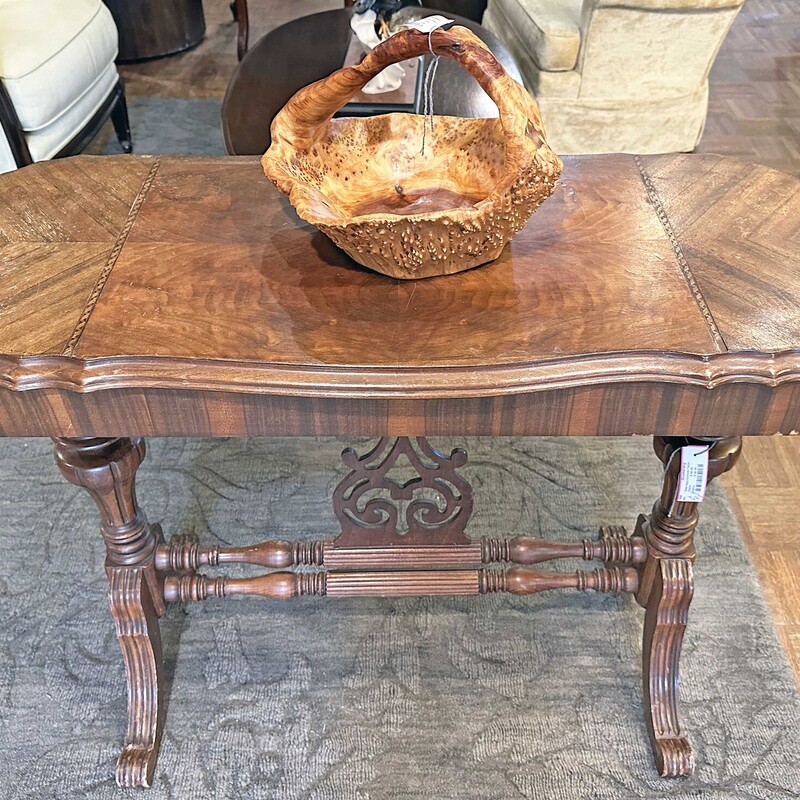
(154, 28)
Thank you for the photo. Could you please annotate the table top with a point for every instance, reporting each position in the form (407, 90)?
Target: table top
(648, 295)
(274, 69)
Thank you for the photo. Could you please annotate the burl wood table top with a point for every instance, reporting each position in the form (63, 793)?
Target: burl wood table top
(159, 296)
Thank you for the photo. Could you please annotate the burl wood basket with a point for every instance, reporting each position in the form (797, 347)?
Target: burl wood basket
(365, 183)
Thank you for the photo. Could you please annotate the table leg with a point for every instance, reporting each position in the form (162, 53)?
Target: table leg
(106, 468)
(665, 591)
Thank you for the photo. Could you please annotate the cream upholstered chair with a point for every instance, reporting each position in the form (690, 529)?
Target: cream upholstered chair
(58, 81)
(613, 76)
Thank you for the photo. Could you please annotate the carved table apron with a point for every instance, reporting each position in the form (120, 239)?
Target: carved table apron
(146, 297)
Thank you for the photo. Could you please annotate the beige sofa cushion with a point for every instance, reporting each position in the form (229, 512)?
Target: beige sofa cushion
(33, 30)
(46, 142)
(67, 46)
(631, 54)
(548, 29)
(674, 124)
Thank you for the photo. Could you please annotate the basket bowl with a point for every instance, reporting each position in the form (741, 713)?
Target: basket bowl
(369, 186)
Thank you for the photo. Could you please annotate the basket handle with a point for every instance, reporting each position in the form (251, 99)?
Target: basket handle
(305, 117)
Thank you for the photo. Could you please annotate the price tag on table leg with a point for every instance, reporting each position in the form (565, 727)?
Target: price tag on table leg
(694, 473)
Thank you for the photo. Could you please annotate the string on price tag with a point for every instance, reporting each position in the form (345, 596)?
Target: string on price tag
(429, 25)
(693, 476)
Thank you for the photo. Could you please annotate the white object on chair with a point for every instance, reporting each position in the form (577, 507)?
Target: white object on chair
(363, 26)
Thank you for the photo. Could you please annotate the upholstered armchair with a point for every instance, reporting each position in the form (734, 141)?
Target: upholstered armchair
(616, 77)
(58, 81)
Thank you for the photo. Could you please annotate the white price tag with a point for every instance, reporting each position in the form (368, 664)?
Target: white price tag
(694, 473)
(428, 24)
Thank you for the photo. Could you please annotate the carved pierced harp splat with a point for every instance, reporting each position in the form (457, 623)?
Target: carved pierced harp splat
(375, 507)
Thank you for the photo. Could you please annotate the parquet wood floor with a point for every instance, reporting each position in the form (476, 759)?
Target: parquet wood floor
(765, 491)
(754, 105)
(754, 113)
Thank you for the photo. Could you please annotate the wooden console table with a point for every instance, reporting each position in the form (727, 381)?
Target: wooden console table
(147, 297)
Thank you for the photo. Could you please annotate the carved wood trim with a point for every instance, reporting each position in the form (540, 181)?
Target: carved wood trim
(686, 270)
(184, 553)
(374, 508)
(419, 556)
(524, 580)
(106, 468)
(156, 372)
(403, 583)
(285, 585)
(274, 585)
(613, 546)
(122, 237)
(399, 583)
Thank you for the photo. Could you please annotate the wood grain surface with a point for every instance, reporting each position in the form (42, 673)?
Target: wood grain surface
(192, 300)
(563, 286)
(57, 234)
(726, 231)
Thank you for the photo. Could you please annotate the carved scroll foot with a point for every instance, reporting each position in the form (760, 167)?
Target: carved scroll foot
(135, 766)
(106, 468)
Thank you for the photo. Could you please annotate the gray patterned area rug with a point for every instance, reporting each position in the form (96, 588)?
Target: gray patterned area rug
(489, 698)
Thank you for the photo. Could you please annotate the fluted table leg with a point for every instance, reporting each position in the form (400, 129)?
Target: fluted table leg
(665, 591)
(106, 468)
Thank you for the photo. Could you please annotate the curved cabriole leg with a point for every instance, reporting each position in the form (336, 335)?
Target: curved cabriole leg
(106, 468)
(136, 622)
(666, 588)
(667, 612)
